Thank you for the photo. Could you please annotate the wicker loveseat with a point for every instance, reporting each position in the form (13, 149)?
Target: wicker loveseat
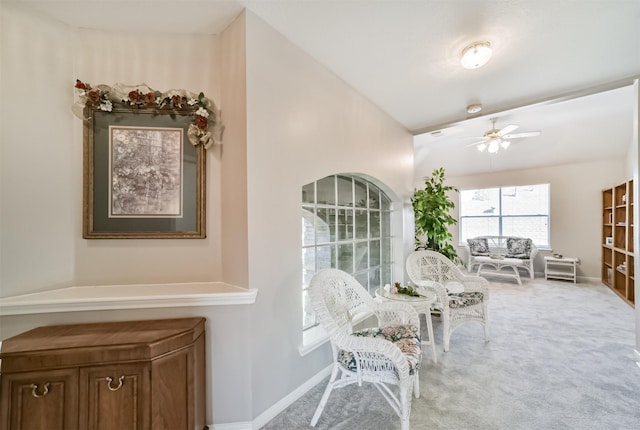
(501, 256)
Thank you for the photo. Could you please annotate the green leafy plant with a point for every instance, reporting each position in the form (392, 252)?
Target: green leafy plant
(431, 207)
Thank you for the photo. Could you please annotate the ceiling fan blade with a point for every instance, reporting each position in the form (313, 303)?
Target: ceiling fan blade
(477, 143)
(517, 135)
(507, 129)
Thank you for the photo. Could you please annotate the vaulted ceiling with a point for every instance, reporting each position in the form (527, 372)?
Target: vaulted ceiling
(404, 55)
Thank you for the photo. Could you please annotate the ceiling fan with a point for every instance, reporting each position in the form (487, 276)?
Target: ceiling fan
(495, 139)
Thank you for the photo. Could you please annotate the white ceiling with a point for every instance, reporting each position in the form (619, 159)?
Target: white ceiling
(404, 56)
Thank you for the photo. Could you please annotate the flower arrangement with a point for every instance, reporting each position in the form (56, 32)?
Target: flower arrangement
(205, 127)
(408, 290)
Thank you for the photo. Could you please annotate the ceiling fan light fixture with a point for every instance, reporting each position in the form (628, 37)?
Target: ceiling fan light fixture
(476, 55)
(481, 147)
(494, 145)
(505, 144)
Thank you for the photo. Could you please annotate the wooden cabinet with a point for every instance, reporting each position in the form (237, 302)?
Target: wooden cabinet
(134, 375)
(617, 240)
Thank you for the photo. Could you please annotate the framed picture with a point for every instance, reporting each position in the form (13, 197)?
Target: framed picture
(142, 176)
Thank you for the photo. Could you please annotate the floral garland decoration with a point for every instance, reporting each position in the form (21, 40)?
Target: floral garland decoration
(205, 127)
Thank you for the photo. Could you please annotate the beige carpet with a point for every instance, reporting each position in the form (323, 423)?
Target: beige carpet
(560, 357)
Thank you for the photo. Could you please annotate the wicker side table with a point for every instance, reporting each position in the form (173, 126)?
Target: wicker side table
(560, 268)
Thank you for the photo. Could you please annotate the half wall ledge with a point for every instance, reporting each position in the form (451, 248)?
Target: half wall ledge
(139, 296)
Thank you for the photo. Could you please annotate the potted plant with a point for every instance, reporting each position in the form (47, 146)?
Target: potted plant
(431, 207)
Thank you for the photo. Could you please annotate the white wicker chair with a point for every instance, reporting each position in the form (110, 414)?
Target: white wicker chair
(469, 301)
(387, 355)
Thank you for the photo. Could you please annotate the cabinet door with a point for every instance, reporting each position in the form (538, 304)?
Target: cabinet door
(115, 397)
(172, 391)
(43, 400)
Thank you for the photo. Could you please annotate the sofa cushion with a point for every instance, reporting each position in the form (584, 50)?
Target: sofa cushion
(405, 337)
(518, 247)
(478, 246)
(462, 300)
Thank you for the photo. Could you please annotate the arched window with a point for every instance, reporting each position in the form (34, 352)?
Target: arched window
(346, 224)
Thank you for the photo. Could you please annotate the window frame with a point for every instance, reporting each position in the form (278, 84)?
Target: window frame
(500, 217)
(383, 206)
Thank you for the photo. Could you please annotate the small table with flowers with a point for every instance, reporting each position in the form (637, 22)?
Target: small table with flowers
(422, 305)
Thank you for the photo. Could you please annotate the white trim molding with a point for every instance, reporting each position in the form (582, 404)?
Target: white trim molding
(139, 296)
(286, 401)
(247, 425)
(280, 406)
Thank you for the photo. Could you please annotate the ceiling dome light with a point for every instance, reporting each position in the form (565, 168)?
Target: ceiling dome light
(474, 108)
(476, 55)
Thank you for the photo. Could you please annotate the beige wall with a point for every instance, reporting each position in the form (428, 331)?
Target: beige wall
(303, 123)
(290, 121)
(576, 205)
(42, 244)
(41, 167)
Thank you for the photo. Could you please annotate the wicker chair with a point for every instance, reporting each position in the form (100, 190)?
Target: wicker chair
(469, 301)
(387, 355)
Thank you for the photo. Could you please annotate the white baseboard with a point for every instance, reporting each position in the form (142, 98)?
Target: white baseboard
(285, 402)
(278, 407)
(589, 280)
(247, 425)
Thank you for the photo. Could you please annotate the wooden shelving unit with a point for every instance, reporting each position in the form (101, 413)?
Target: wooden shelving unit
(617, 240)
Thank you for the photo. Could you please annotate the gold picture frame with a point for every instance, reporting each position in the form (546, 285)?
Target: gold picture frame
(143, 179)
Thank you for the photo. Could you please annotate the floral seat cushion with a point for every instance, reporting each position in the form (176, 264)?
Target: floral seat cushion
(405, 337)
(518, 247)
(462, 300)
(478, 246)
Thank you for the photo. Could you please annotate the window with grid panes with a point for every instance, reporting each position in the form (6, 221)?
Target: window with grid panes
(521, 211)
(346, 224)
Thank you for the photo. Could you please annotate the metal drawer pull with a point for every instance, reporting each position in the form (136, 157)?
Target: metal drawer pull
(110, 380)
(45, 390)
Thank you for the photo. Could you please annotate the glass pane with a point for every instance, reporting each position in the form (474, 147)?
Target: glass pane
(345, 224)
(361, 224)
(345, 191)
(374, 224)
(482, 226)
(385, 224)
(308, 264)
(308, 229)
(480, 202)
(308, 318)
(327, 191)
(363, 279)
(374, 253)
(385, 203)
(326, 225)
(385, 275)
(360, 189)
(345, 257)
(527, 200)
(362, 256)
(308, 193)
(535, 228)
(385, 251)
(325, 257)
(374, 197)
(338, 237)
(374, 280)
